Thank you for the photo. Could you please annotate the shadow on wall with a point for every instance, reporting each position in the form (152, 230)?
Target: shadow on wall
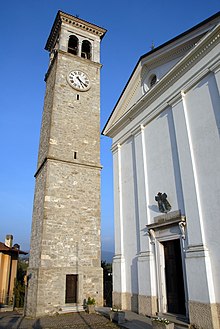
(37, 324)
(134, 286)
(154, 208)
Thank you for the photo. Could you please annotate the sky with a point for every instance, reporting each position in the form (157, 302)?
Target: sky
(132, 27)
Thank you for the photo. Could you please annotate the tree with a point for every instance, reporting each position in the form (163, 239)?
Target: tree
(107, 282)
(19, 289)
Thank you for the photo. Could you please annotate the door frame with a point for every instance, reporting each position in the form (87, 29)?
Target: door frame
(171, 228)
(77, 287)
(160, 263)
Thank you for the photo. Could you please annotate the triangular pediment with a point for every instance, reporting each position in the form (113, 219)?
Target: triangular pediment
(152, 67)
(148, 68)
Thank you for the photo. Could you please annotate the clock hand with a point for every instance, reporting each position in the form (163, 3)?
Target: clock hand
(81, 82)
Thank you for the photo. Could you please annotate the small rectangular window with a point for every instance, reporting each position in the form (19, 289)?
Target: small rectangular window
(77, 97)
(74, 155)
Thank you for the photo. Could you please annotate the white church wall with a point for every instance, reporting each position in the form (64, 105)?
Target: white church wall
(205, 146)
(117, 224)
(186, 174)
(130, 205)
(140, 190)
(213, 235)
(161, 165)
(146, 265)
(199, 277)
(172, 146)
(130, 213)
(119, 277)
(216, 71)
(202, 106)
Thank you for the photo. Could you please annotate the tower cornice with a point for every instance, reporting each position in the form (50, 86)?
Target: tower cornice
(73, 21)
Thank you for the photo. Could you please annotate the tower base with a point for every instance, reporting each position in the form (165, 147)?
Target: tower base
(49, 290)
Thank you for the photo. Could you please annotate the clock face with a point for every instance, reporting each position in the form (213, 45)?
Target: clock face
(78, 80)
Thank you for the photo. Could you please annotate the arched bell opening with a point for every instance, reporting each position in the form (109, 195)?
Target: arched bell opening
(86, 49)
(73, 45)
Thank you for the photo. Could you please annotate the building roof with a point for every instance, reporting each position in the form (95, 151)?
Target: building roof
(6, 249)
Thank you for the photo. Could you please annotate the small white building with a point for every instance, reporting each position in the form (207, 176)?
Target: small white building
(165, 138)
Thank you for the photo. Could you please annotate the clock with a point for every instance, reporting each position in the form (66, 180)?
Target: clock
(78, 80)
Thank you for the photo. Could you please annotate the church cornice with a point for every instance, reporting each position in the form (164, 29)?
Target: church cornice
(161, 58)
(63, 18)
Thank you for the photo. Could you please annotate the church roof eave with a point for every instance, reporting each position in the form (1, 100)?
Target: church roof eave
(13, 250)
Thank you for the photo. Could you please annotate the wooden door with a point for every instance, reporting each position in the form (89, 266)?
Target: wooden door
(71, 288)
(174, 277)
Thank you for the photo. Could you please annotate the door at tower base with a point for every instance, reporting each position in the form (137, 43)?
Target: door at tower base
(71, 288)
(60, 290)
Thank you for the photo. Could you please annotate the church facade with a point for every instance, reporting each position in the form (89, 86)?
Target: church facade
(65, 256)
(166, 155)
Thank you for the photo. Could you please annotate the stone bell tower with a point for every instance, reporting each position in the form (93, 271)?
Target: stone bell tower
(65, 256)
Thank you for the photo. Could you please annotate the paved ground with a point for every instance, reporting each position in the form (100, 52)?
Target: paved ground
(82, 320)
(132, 320)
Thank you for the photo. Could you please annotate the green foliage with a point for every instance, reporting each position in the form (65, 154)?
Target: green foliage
(107, 282)
(107, 267)
(116, 308)
(91, 301)
(19, 292)
(161, 320)
(107, 270)
(19, 289)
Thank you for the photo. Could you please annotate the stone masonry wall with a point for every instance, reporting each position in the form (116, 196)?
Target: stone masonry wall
(75, 123)
(37, 219)
(47, 115)
(66, 215)
(71, 216)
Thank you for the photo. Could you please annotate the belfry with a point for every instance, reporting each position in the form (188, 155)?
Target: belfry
(65, 265)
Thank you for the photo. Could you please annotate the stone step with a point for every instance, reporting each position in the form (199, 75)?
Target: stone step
(71, 309)
(180, 322)
(181, 325)
(6, 308)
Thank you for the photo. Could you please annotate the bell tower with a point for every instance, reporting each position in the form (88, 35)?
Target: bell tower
(65, 255)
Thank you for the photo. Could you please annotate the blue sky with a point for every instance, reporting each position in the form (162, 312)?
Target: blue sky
(25, 25)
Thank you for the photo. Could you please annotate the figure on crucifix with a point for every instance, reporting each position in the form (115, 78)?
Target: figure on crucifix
(163, 204)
